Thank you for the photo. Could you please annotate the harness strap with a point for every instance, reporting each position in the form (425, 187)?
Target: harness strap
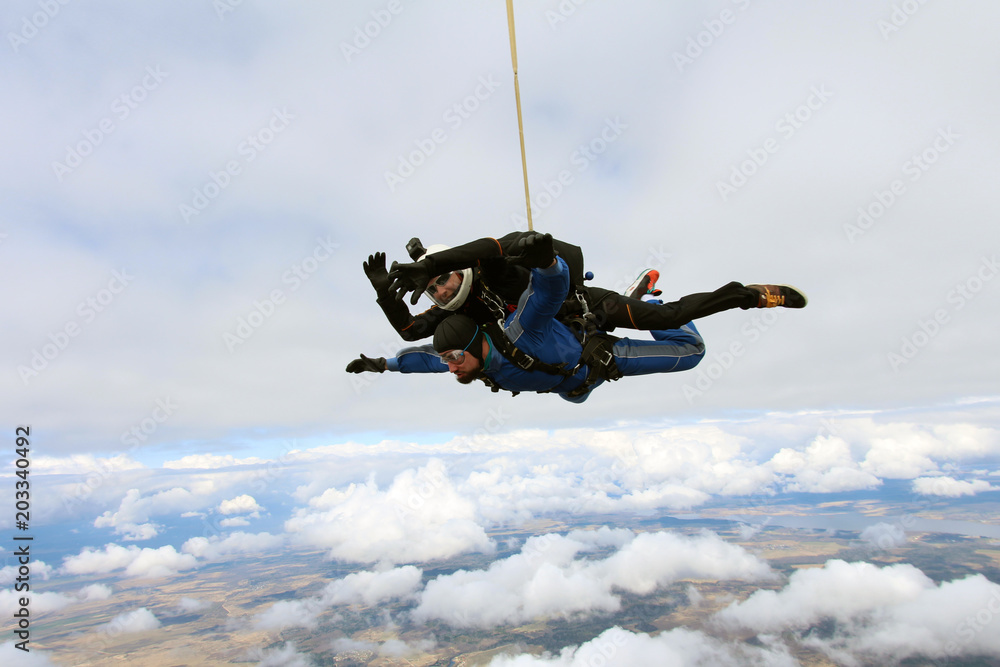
(522, 359)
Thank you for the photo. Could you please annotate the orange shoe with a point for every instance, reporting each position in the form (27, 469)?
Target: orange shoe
(644, 284)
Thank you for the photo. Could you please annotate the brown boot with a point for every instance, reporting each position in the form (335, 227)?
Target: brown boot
(772, 296)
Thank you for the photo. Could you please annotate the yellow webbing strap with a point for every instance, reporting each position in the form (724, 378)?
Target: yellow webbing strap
(517, 97)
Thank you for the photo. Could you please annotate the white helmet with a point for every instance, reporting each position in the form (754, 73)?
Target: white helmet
(448, 291)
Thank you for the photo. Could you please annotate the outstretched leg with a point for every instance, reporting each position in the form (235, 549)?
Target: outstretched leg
(674, 350)
(615, 310)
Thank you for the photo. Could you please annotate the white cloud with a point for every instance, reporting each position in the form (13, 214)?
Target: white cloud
(290, 614)
(370, 588)
(680, 647)
(217, 547)
(78, 464)
(826, 466)
(192, 605)
(234, 522)
(39, 568)
(903, 450)
(134, 511)
(367, 588)
(286, 656)
(546, 579)
(888, 613)
(421, 516)
(40, 602)
(136, 562)
(839, 590)
(243, 504)
(884, 535)
(139, 620)
(131, 532)
(950, 487)
(210, 461)
(95, 592)
(397, 648)
(11, 655)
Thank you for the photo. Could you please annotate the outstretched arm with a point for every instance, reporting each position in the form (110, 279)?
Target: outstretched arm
(410, 327)
(414, 276)
(422, 359)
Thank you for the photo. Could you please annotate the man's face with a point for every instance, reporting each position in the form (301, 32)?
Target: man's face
(465, 367)
(444, 287)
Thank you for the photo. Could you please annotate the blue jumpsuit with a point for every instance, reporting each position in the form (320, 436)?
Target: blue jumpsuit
(534, 329)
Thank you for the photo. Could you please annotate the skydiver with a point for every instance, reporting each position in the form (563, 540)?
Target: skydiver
(535, 351)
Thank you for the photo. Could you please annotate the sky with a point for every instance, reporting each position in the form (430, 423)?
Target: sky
(188, 190)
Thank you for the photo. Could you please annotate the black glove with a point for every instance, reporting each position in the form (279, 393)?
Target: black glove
(412, 277)
(534, 251)
(365, 364)
(375, 270)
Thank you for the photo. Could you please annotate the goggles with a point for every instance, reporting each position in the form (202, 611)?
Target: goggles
(453, 356)
(449, 290)
(457, 356)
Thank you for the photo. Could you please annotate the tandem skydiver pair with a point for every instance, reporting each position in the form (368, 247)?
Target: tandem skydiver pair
(514, 312)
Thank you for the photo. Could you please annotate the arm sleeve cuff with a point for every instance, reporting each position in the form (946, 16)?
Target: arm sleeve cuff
(553, 270)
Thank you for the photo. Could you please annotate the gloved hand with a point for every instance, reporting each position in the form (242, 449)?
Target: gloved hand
(534, 251)
(366, 364)
(413, 277)
(375, 270)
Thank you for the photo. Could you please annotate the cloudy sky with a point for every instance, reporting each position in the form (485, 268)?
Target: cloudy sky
(189, 190)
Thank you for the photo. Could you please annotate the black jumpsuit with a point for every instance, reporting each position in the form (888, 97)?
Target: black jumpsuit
(499, 282)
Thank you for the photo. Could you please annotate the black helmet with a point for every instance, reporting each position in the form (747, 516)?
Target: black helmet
(459, 332)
